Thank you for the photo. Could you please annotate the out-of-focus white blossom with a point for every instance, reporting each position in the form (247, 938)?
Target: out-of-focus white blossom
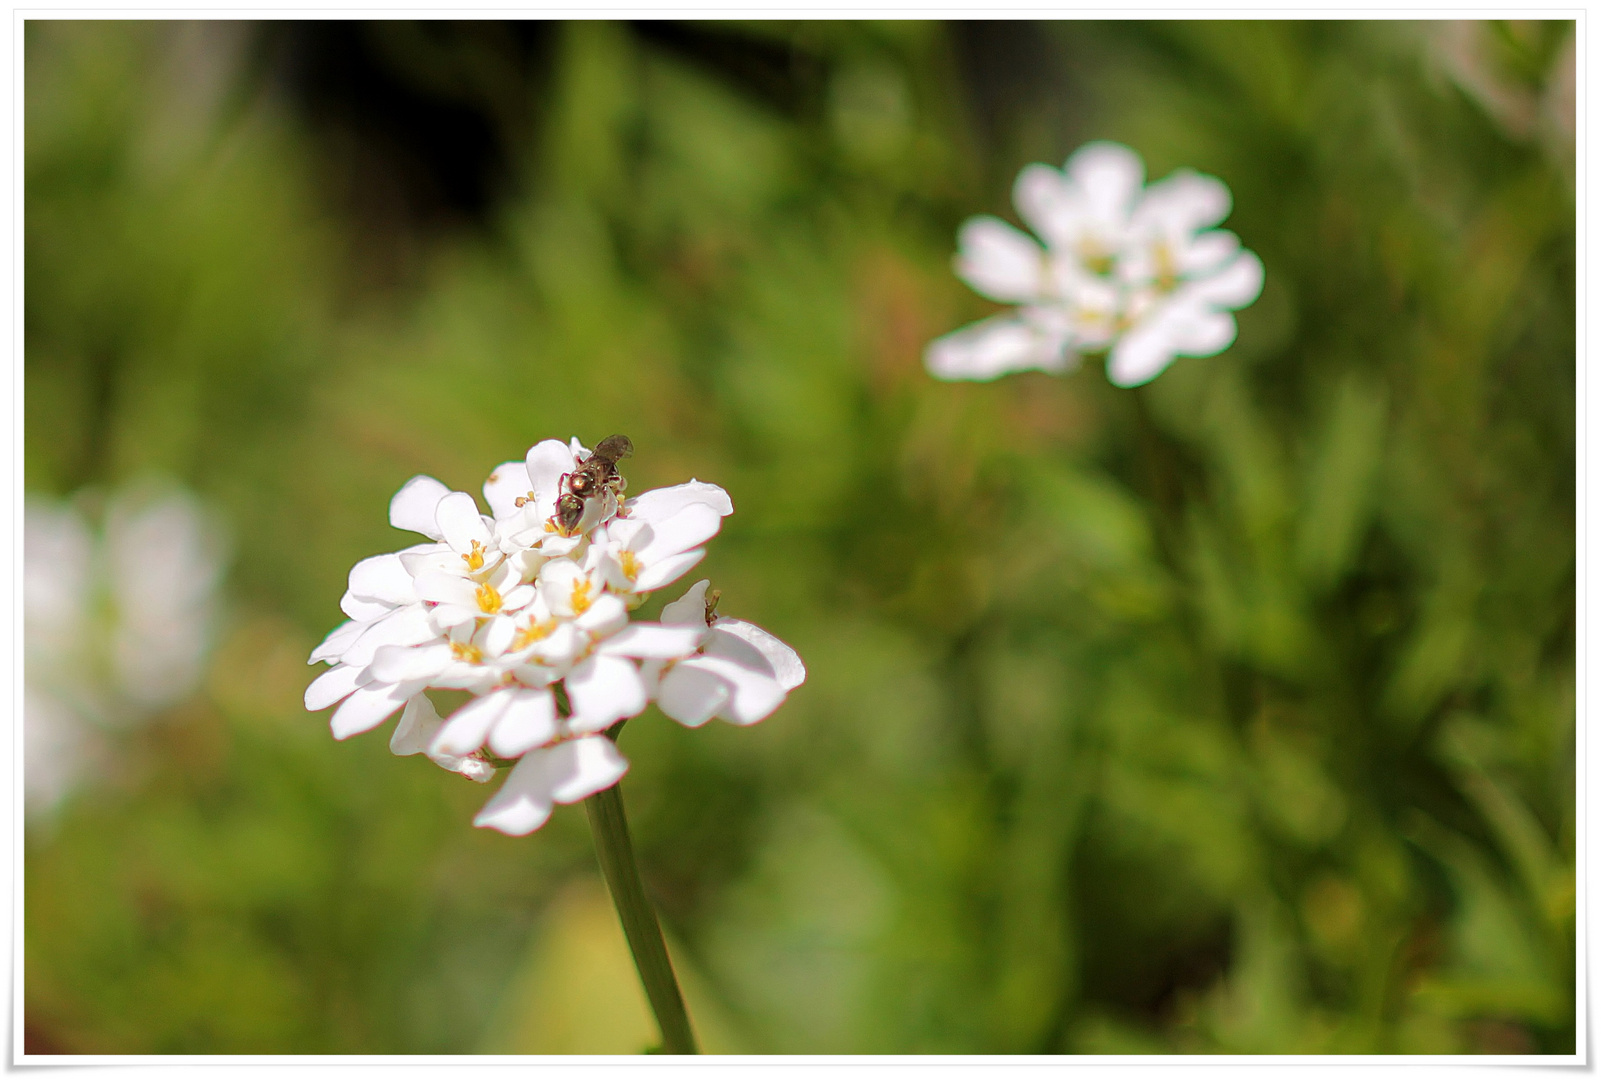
(529, 612)
(117, 624)
(1136, 272)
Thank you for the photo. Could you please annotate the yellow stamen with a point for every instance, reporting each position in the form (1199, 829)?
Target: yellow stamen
(488, 599)
(1095, 260)
(630, 564)
(1167, 277)
(581, 597)
(469, 653)
(475, 558)
(534, 631)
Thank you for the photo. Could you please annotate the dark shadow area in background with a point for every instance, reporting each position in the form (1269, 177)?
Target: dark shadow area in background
(427, 126)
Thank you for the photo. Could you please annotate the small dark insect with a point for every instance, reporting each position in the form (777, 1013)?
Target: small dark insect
(569, 511)
(599, 470)
(712, 596)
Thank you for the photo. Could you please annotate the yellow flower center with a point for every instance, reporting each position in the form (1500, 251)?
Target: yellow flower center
(534, 631)
(488, 599)
(630, 564)
(581, 598)
(1167, 277)
(469, 653)
(475, 558)
(1095, 259)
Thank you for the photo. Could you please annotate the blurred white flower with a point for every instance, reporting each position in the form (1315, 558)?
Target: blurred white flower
(1136, 271)
(117, 624)
(528, 610)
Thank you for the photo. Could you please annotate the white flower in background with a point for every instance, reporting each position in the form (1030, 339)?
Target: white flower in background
(528, 610)
(1138, 272)
(117, 624)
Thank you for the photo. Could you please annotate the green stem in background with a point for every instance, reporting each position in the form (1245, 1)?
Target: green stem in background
(616, 852)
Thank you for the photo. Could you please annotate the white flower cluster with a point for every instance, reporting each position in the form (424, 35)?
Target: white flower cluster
(528, 610)
(117, 621)
(1135, 270)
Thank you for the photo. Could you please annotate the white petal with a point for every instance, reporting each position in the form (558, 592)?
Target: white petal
(536, 674)
(470, 725)
(452, 616)
(659, 504)
(597, 510)
(546, 463)
(1141, 354)
(1207, 253)
(558, 580)
(1203, 333)
(475, 769)
(460, 523)
(443, 587)
(333, 685)
(689, 528)
(626, 532)
(1183, 203)
(566, 772)
(999, 261)
(607, 615)
(363, 610)
(559, 647)
(518, 598)
(668, 570)
(365, 709)
(604, 690)
(523, 802)
(507, 484)
(409, 663)
(689, 609)
(338, 640)
(383, 578)
(1049, 204)
(1236, 285)
(1187, 324)
(581, 767)
(754, 696)
(496, 636)
(426, 557)
(784, 663)
(413, 506)
(645, 641)
(691, 696)
(417, 727)
(528, 721)
(993, 347)
(408, 625)
(1110, 175)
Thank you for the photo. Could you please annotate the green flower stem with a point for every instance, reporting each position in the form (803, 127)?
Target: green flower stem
(644, 933)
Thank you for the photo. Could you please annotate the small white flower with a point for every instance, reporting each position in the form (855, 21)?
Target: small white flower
(740, 674)
(1135, 270)
(528, 610)
(117, 623)
(637, 556)
(415, 733)
(566, 772)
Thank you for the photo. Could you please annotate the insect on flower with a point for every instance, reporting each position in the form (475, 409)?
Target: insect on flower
(528, 611)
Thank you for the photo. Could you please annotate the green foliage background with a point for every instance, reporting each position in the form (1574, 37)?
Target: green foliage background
(1230, 714)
